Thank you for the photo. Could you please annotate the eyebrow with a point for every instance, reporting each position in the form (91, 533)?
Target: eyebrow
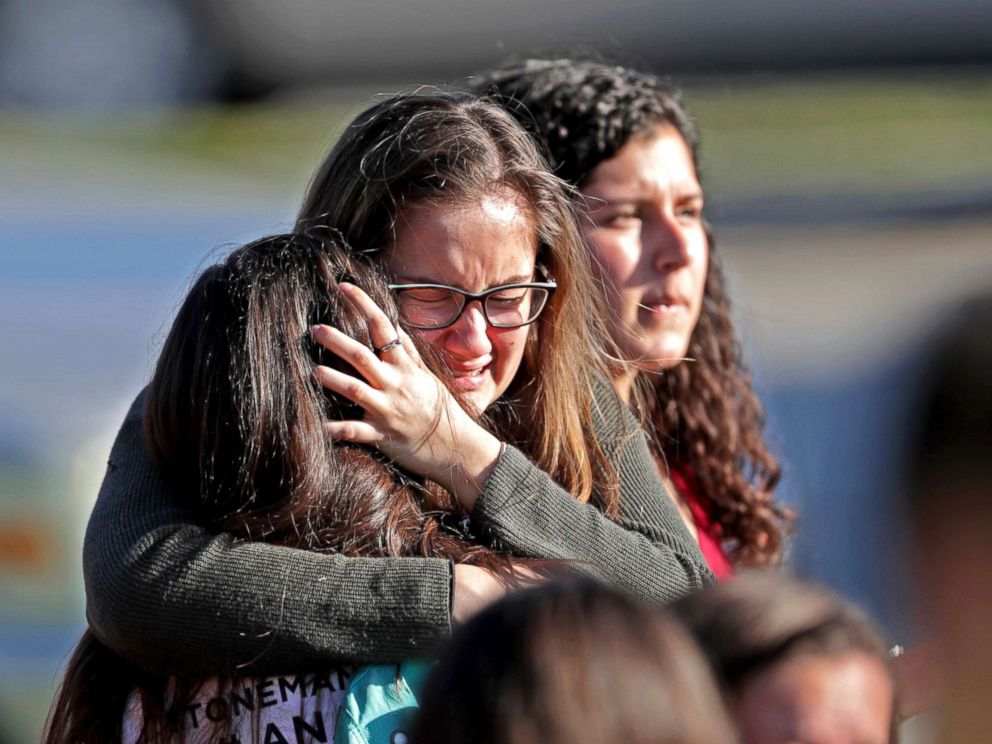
(516, 279)
(629, 197)
(628, 191)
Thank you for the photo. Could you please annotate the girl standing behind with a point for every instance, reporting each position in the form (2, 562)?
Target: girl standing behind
(625, 142)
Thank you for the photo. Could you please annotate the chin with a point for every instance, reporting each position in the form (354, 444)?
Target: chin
(478, 401)
(662, 357)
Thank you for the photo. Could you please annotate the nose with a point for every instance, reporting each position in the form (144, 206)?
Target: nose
(469, 336)
(667, 242)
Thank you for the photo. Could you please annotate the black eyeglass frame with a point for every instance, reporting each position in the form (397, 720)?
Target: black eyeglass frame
(551, 285)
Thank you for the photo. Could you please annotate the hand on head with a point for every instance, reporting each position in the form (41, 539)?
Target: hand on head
(409, 414)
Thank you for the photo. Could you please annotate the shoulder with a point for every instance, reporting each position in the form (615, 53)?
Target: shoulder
(612, 419)
(133, 423)
(137, 410)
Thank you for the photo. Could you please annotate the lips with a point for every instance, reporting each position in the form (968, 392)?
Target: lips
(469, 368)
(663, 304)
(471, 375)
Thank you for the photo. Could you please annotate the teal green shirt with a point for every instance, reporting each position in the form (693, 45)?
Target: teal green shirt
(380, 703)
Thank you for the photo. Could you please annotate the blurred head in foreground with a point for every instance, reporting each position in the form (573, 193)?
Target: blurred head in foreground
(797, 663)
(951, 481)
(571, 663)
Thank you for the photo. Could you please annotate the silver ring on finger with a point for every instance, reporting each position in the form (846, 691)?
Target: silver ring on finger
(388, 347)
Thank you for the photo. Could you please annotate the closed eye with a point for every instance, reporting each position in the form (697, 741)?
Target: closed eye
(622, 217)
(426, 296)
(690, 208)
(427, 293)
(508, 298)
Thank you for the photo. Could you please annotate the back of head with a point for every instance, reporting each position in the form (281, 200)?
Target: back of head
(953, 451)
(951, 509)
(233, 410)
(760, 619)
(568, 664)
(583, 112)
(234, 416)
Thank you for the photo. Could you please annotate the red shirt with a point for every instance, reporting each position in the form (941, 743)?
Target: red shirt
(709, 532)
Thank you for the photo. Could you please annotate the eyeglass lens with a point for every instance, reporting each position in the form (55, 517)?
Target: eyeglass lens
(433, 307)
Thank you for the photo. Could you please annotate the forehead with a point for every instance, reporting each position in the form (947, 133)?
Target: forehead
(847, 697)
(472, 244)
(658, 159)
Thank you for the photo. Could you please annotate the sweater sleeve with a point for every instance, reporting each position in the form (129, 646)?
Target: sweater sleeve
(647, 551)
(174, 597)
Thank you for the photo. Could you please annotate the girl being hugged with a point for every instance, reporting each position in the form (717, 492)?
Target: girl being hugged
(447, 196)
(625, 141)
(234, 417)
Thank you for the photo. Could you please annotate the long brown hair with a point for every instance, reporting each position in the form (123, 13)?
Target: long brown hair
(418, 149)
(234, 416)
(234, 410)
(704, 415)
(571, 663)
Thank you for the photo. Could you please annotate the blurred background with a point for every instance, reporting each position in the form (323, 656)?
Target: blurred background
(845, 155)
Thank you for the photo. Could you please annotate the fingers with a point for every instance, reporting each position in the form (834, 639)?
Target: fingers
(410, 347)
(357, 432)
(381, 328)
(351, 388)
(356, 354)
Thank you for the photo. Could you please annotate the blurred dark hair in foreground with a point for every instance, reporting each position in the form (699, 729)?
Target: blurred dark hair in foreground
(795, 661)
(954, 438)
(951, 479)
(573, 663)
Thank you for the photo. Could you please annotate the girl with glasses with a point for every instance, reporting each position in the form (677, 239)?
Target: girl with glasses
(440, 190)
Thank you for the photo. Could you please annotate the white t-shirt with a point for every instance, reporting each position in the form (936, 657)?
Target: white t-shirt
(293, 709)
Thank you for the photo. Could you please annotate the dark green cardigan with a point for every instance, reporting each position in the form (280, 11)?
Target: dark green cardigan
(175, 597)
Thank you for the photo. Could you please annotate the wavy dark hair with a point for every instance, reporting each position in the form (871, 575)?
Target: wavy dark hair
(705, 418)
(451, 149)
(235, 417)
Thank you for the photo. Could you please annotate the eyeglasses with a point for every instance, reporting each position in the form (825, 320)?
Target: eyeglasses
(433, 306)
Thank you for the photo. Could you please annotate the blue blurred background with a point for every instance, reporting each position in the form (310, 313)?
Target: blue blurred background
(846, 161)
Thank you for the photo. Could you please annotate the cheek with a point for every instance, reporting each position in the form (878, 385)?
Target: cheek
(699, 267)
(616, 255)
(509, 347)
(615, 261)
(433, 339)
(700, 259)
